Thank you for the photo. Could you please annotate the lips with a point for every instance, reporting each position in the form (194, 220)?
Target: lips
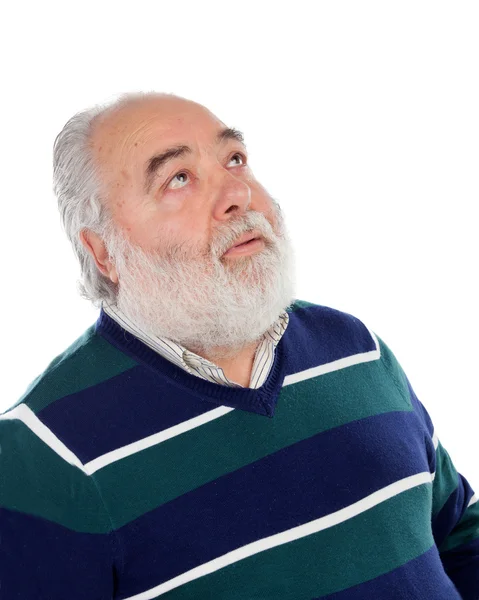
(247, 237)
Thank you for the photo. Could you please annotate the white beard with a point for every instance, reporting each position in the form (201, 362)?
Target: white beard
(213, 306)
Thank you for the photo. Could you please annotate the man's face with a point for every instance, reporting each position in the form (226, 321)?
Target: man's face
(175, 221)
(190, 198)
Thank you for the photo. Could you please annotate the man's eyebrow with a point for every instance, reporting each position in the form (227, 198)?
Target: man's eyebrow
(158, 161)
(230, 133)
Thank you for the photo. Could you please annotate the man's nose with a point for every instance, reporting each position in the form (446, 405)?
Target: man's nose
(232, 195)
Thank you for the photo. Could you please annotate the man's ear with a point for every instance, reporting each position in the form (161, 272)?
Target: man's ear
(95, 246)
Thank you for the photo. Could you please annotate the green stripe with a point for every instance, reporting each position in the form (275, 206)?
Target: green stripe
(445, 481)
(167, 470)
(41, 483)
(300, 304)
(394, 369)
(88, 361)
(369, 545)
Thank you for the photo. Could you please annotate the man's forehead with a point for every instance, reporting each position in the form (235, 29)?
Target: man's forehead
(132, 136)
(162, 118)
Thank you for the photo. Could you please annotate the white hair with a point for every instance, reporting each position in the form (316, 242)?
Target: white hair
(81, 197)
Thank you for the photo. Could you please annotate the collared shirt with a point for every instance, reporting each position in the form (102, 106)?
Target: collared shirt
(198, 365)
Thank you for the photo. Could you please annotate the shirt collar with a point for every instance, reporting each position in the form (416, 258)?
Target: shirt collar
(177, 352)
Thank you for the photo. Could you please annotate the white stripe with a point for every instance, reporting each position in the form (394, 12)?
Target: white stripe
(435, 440)
(156, 438)
(473, 500)
(335, 365)
(290, 535)
(25, 414)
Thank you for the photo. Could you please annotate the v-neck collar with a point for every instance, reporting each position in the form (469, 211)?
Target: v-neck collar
(260, 400)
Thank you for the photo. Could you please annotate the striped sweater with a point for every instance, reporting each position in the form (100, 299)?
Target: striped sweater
(123, 476)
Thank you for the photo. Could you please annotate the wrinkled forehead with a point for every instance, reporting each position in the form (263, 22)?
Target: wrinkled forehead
(124, 138)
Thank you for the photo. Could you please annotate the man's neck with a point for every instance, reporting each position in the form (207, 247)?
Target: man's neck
(238, 368)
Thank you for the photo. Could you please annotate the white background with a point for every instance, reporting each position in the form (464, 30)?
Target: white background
(361, 119)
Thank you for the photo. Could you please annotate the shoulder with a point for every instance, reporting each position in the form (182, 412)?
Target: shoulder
(330, 335)
(40, 476)
(88, 360)
(40, 473)
(332, 326)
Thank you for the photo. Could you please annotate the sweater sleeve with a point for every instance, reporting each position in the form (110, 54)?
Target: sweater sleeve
(56, 540)
(455, 506)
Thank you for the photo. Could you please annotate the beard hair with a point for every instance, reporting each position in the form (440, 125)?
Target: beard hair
(210, 304)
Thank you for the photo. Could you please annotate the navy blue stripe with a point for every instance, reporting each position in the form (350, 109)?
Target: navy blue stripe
(427, 425)
(337, 335)
(462, 563)
(297, 484)
(420, 409)
(91, 422)
(44, 560)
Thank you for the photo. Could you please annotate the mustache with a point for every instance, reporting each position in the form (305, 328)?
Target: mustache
(120, 245)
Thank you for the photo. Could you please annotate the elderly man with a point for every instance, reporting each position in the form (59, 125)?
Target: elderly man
(210, 436)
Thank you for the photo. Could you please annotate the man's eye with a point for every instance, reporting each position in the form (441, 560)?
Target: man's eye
(242, 156)
(180, 174)
(184, 174)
